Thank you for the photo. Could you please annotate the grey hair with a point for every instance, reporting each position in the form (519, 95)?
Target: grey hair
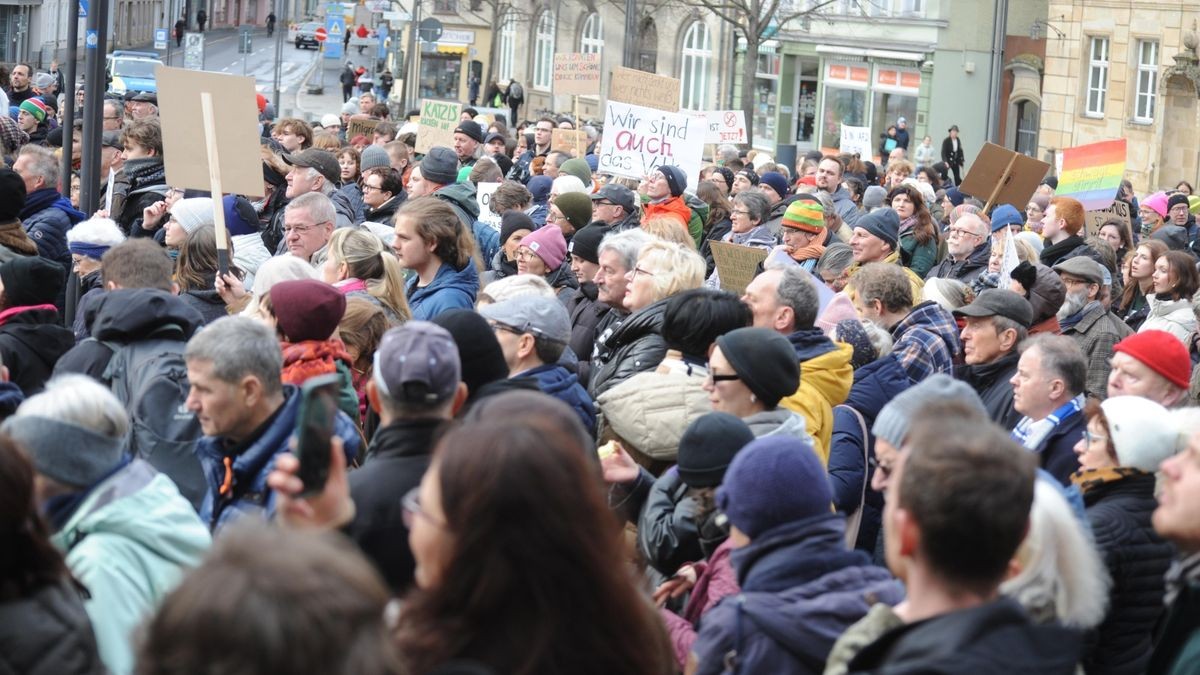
(1003, 323)
(880, 339)
(626, 244)
(727, 153)
(42, 163)
(1062, 358)
(320, 207)
(951, 294)
(756, 203)
(591, 132)
(979, 227)
(238, 346)
(836, 258)
(796, 291)
(79, 400)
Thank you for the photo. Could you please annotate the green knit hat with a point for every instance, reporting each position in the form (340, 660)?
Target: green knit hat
(805, 215)
(578, 168)
(577, 207)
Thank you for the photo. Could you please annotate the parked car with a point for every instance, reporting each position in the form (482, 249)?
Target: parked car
(132, 71)
(307, 35)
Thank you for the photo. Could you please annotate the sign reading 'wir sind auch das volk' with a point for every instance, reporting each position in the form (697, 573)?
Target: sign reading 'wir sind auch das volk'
(638, 140)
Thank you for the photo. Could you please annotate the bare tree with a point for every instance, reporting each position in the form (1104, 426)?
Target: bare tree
(496, 13)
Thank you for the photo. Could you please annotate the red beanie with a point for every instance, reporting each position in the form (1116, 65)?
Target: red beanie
(1161, 352)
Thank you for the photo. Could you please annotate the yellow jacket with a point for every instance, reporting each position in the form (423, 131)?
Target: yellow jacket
(824, 382)
(915, 282)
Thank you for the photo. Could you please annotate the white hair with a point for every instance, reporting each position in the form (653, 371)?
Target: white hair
(79, 400)
(516, 286)
(274, 270)
(96, 232)
(880, 339)
(567, 183)
(950, 294)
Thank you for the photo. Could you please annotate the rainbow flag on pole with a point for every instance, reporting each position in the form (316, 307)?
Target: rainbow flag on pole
(1092, 173)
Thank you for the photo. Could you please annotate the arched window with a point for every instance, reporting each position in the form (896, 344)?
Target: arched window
(543, 53)
(697, 57)
(508, 43)
(591, 40)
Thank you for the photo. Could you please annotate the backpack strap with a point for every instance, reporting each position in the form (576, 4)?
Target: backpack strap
(854, 520)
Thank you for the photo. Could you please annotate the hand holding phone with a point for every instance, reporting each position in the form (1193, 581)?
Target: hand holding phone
(314, 429)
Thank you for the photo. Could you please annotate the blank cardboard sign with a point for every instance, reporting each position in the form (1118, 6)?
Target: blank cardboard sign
(1000, 176)
(235, 108)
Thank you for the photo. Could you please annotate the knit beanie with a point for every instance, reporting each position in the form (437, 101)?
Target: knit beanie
(578, 168)
(478, 350)
(586, 244)
(440, 166)
(240, 217)
(548, 244)
(374, 157)
(708, 446)
(956, 196)
(777, 182)
(874, 197)
(1160, 351)
(1052, 181)
(31, 280)
(539, 187)
(764, 360)
(577, 207)
(1157, 202)
(851, 332)
(805, 215)
(773, 481)
(1005, 215)
(12, 195)
(883, 223)
(11, 136)
(1177, 199)
(1142, 431)
(36, 107)
(307, 309)
(727, 175)
(676, 178)
(193, 213)
(514, 221)
(464, 174)
(892, 422)
(68, 453)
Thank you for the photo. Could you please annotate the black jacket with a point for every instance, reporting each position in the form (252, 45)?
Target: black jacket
(1137, 558)
(991, 382)
(1177, 646)
(585, 312)
(950, 155)
(386, 210)
(48, 633)
(634, 346)
(966, 271)
(396, 459)
(1053, 254)
(669, 534)
(31, 342)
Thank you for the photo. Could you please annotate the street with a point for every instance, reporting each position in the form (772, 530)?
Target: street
(221, 56)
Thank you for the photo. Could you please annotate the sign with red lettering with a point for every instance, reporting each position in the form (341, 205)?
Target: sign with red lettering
(577, 74)
(638, 140)
(726, 126)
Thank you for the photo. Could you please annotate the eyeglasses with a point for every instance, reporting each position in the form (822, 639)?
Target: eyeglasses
(301, 230)
(371, 187)
(525, 255)
(1089, 437)
(604, 202)
(962, 232)
(876, 465)
(638, 270)
(742, 212)
(553, 217)
(714, 378)
(411, 503)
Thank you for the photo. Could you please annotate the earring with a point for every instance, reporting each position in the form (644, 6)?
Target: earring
(753, 399)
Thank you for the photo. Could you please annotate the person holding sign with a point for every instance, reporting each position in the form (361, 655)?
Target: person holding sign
(750, 211)
(664, 197)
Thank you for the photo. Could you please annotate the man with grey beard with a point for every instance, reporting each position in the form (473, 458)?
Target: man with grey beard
(1085, 319)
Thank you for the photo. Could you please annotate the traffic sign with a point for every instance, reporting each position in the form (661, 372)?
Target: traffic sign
(160, 38)
(245, 42)
(335, 28)
(321, 35)
(83, 9)
(430, 29)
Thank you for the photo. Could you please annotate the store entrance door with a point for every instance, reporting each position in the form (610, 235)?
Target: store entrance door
(806, 104)
(440, 76)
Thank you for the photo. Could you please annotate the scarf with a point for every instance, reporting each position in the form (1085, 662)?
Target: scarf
(1030, 434)
(348, 286)
(303, 360)
(758, 235)
(1183, 571)
(14, 237)
(813, 251)
(145, 171)
(1070, 321)
(1090, 479)
(907, 224)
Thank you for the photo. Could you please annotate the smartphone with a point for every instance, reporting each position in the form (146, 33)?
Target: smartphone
(314, 429)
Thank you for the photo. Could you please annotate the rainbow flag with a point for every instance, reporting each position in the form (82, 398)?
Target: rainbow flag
(1092, 173)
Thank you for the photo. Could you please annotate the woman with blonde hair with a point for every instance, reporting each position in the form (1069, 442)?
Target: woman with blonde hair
(668, 229)
(358, 265)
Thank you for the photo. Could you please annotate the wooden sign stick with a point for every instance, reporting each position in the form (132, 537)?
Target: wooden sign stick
(578, 129)
(214, 175)
(1000, 183)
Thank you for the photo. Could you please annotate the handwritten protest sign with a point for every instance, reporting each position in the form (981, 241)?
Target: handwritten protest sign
(856, 141)
(569, 141)
(726, 126)
(638, 140)
(645, 89)
(1001, 176)
(438, 120)
(576, 73)
(1092, 173)
(1117, 211)
(736, 264)
(483, 195)
(361, 125)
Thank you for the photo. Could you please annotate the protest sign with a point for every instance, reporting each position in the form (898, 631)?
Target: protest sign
(1117, 210)
(726, 126)
(644, 89)
(438, 121)
(638, 140)
(569, 141)
(576, 73)
(1001, 176)
(483, 195)
(857, 141)
(1092, 173)
(361, 125)
(736, 264)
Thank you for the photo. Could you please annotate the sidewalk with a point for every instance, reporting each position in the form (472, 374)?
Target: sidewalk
(314, 106)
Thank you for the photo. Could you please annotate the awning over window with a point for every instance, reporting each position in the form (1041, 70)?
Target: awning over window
(452, 48)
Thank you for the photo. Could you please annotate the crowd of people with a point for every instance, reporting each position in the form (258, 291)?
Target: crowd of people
(926, 436)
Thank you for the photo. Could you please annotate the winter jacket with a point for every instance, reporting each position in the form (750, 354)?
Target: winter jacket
(395, 461)
(926, 341)
(207, 302)
(991, 382)
(487, 238)
(46, 217)
(252, 460)
(386, 210)
(1056, 452)
(825, 379)
(311, 358)
(920, 258)
(129, 542)
(31, 342)
(844, 204)
(669, 532)
(353, 194)
(774, 220)
(15, 242)
(875, 384)
(144, 184)
(966, 271)
(1119, 511)
(1053, 254)
(585, 313)
(778, 421)
(952, 152)
(48, 633)
(450, 289)
(91, 289)
(716, 232)
(995, 638)
(1173, 316)
(801, 589)
(650, 410)
(633, 346)
(249, 253)
(563, 281)
(674, 207)
(461, 198)
(344, 209)
(1177, 649)
(1096, 334)
(715, 580)
(554, 380)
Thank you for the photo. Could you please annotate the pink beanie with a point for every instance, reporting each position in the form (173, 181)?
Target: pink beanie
(1158, 202)
(549, 245)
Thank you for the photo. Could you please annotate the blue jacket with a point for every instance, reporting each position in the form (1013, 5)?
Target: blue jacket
(451, 289)
(252, 466)
(874, 385)
(801, 589)
(488, 240)
(47, 216)
(556, 381)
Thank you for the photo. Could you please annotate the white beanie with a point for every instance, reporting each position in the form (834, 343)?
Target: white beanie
(193, 213)
(1142, 432)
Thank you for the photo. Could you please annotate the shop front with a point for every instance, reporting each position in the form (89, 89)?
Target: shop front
(867, 94)
(444, 64)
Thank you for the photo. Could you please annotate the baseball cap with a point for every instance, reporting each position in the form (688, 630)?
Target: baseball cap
(617, 194)
(999, 302)
(321, 160)
(542, 316)
(418, 363)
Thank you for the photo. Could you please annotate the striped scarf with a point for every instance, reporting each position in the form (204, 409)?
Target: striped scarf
(1030, 433)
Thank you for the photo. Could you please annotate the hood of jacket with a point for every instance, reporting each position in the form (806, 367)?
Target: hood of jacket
(129, 314)
(830, 373)
(49, 198)
(777, 421)
(37, 330)
(464, 281)
(1175, 310)
(810, 343)
(462, 194)
(563, 277)
(875, 384)
(552, 378)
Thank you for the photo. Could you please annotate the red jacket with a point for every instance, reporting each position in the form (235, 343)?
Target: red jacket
(715, 579)
(672, 208)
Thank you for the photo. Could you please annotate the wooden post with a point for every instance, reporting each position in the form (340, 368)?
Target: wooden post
(578, 129)
(214, 175)
(1000, 183)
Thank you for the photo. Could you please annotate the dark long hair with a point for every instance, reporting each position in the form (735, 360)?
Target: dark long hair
(197, 263)
(1182, 267)
(28, 561)
(924, 230)
(1133, 290)
(719, 206)
(536, 550)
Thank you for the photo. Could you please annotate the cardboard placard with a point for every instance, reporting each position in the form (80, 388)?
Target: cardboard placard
(568, 141)
(1002, 176)
(638, 140)
(483, 196)
(185, 158)
(726, 126)
(438, 121)
(856, 140)
(736, 265)
(361, 126)
(577, 73)
(645, 89)
(1118, 210)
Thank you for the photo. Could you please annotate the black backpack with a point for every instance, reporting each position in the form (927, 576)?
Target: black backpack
(516, 93)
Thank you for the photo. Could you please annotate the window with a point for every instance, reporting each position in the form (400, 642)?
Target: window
(697, 56)
(508, 41)
(1097, 86)
(445, 6)
(1027, 128)
(543, 54)
(591, 40)
(1147, 80)
(911, 7)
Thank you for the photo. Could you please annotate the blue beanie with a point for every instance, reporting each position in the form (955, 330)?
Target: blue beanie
(539, 187)
(240, 217)
(777, 182)
(1005, 215)
(774, 481)
(956, 196)
(593, 162)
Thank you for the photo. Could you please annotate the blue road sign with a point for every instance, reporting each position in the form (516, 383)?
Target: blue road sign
(382, 33)
(93, 39)
(83, 9)
(335, 26)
